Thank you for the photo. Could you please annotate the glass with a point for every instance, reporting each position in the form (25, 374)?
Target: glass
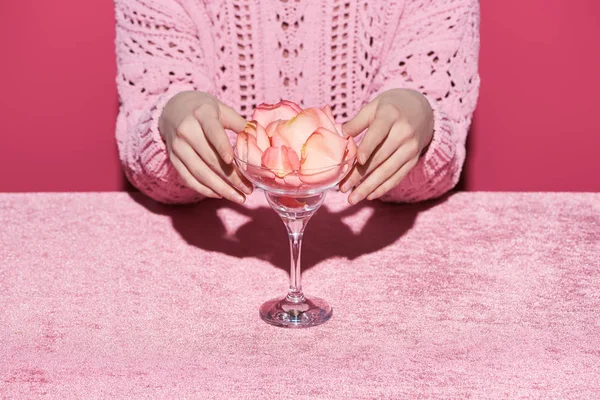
(295, 205)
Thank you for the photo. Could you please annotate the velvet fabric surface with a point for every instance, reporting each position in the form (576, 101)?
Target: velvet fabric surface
(476, 295)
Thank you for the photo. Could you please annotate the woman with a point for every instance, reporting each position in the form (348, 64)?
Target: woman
(405, 71)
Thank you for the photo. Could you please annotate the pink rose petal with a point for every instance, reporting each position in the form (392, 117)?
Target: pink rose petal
(247, 149)
(295, 132)
(256, 130)
(272, 127)
(277, 140)
(291, 202)
(280, 160)
(323, 152)
(264, 114)
(351, 149)
(259, 173)
(327, 110)
(292, 180)
(321, 177)
(323, 145)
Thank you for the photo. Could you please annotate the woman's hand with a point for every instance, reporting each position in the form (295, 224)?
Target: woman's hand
(400, 127)
(193, 126)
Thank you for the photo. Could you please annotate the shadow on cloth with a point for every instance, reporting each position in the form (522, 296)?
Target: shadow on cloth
(351, 232)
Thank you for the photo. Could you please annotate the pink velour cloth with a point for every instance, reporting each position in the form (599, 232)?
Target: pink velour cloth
(472, 296)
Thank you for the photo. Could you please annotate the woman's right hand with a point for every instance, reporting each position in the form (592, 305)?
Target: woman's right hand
(193, 126)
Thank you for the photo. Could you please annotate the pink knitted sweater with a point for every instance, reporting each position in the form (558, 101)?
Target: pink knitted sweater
(313, 52)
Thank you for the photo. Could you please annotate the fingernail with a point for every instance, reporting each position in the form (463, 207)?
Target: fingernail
(362, 159)
(227, 158)
(344, 188)
(238, 198)
(246, 189)
(357, 198)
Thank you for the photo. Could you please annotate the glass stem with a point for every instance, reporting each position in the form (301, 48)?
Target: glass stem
(295, 228)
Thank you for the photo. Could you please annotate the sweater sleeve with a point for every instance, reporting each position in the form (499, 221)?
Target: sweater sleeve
(435, 51)
(158, 55)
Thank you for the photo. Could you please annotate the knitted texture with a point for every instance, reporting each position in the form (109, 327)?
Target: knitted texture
(339, 52)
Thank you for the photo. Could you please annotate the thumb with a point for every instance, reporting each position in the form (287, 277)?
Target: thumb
(361, 121)
(230, 119)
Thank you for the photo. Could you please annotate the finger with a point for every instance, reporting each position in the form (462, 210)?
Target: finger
(383, 173)
(230, 119)
(189, 179)
(394, 180)
(361, 121)
(385, 117)
(232, 175)
(357, 173)
(205, 175)
(208, 117)
(227, 171)
(398, 135)
(193, 134)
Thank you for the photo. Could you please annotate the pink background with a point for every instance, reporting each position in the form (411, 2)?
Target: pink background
(535, 128)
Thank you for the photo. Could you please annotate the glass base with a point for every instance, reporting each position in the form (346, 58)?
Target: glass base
(287, 314)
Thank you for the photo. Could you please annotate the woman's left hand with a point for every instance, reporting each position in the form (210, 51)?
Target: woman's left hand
(400, 127)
